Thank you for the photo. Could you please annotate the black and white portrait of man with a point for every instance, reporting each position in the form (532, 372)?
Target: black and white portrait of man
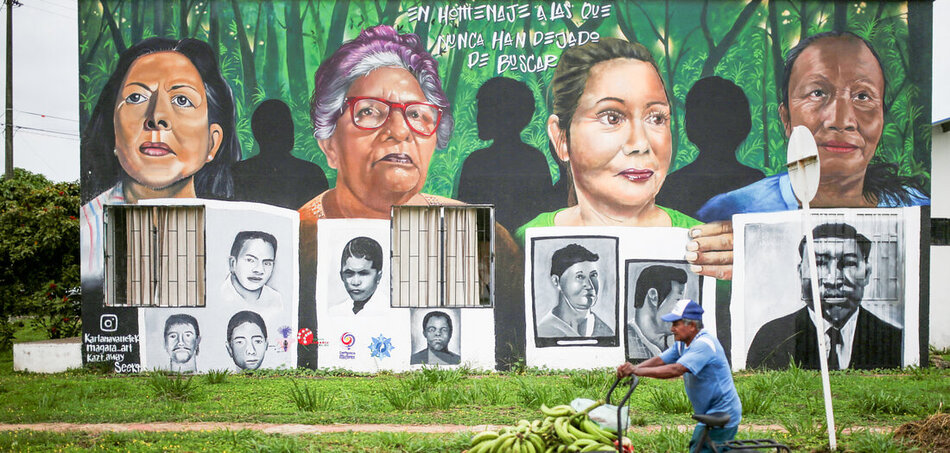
(855, 337)
(250, 265)
(361, 269)
(247, 340)
(437, 330)
(574, 290)
(653, 287)
(182, 338)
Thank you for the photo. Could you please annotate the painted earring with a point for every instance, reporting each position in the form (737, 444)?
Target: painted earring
(115, 152)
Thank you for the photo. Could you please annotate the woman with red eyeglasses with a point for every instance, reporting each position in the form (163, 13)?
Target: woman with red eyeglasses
(378, 113)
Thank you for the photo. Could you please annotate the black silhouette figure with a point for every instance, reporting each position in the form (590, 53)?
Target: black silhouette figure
(717, 122)
(275, 176)
(509, 174)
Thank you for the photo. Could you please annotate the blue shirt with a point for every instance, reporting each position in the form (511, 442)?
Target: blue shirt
(775, 194)
(708, 383)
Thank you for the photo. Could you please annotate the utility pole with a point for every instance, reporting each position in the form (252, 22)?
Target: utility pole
(8, 119)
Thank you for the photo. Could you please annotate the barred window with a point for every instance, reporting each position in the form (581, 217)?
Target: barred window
(155, 256)
(442, 256)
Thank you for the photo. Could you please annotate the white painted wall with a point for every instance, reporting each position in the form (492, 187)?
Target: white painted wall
(940, 254)
(941, 66)
(940, 177)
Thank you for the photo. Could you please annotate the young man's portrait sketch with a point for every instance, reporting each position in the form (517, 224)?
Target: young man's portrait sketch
(251, 265)
(653, 288)
(247, 340)
(361, 268)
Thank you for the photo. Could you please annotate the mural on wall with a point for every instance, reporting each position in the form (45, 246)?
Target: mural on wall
(201, 340)
(250, 312)
(436, 337)
(274, 176)
(595, 114)
(163, 127)
(574, 294)
(869, 304)
(361, 329)
(652, 290)
(574, 282)
(505, 108)
(250, 267)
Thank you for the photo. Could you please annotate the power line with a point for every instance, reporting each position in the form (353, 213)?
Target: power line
(47, 116)
(57, 5)
(27, 128)
(71, 3)
(62, 137)
(47, 11)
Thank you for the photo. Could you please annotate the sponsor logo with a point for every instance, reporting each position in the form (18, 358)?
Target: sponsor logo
(304, 336)
(381, 347)
(348, 341)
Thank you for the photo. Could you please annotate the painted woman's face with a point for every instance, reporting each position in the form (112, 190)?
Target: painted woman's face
(162, 135)
(391, 160)
(619, 143)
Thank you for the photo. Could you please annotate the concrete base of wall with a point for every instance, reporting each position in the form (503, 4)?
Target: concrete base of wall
(49, 356)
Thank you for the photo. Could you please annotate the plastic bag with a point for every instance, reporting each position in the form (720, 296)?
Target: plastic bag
(604, 415)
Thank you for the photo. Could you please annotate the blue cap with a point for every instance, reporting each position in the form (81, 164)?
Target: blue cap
(684, 309)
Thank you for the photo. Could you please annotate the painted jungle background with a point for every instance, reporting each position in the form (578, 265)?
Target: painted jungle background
(270, 49)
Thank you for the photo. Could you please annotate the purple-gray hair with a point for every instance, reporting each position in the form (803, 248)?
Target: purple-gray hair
(376, 47)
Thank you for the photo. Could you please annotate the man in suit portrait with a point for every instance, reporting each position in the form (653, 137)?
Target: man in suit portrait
(437, 329)
(576, 278)
(855, 337)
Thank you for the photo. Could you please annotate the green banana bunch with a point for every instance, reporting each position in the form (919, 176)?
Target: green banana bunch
(562, 430)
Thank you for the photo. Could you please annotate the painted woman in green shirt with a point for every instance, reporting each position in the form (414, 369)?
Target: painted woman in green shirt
(610, 128)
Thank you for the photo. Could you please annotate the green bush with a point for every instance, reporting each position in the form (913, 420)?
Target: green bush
(670, 400)
(39, 252)
(217, 376)
(310, 399)
(175, 387)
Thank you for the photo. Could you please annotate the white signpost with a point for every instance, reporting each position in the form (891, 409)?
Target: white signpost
(804, 171)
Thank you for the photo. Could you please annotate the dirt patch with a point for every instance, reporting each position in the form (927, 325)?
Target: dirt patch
(932, 434)
(939, 362)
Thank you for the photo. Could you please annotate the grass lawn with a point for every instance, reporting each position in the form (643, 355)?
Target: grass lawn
(790, 399)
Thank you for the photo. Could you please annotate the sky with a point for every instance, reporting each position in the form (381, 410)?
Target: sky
(46, 84)
(45, 87)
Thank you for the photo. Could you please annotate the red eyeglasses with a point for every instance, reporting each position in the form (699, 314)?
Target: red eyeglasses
(370, 113)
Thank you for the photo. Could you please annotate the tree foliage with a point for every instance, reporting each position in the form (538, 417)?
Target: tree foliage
(39, 252)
